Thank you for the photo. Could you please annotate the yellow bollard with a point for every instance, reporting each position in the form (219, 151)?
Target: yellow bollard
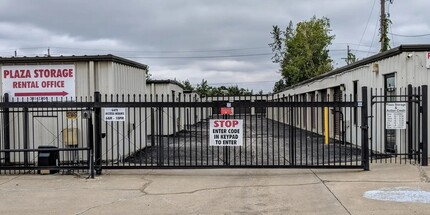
(326, 125)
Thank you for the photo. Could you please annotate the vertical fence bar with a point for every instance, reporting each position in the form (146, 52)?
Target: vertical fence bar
(98, 133)
(291, 138)
(6, 130)
(364, 130)
(90, 143)
(424, 158)
(410, 122)
(26, 135)
(160, 136)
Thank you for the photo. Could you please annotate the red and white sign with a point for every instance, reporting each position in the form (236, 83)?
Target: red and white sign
(226, 111)
(428, 60)
(225, 132)
(39, 82)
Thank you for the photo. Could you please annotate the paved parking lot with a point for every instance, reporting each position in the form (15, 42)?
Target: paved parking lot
(265, 142)
(215, 191)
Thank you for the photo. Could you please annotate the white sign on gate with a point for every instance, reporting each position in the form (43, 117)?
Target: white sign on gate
(395, 115)
(114, 114)
(226, 132)
(39, 82)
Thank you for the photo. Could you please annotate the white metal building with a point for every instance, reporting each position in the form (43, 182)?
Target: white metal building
(178, 119)
(392, 71)
(104, 73)
(80, 76)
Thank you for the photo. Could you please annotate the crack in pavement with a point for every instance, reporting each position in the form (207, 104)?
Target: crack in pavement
(108, 203)
(10, 180)
(146, 185)
(369, 181)
(149, 182)
(221, 188)
(423, 175)
(324, 183)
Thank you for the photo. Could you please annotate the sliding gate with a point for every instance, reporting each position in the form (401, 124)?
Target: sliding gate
(184, 131)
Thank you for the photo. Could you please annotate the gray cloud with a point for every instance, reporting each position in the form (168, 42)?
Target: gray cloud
(155, 32)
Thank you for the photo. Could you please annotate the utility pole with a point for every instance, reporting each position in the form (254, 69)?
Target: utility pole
(49, 52)
(383, 31)
(350, 57)
(384, 39)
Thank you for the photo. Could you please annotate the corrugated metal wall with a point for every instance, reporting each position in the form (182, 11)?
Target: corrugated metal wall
(408, 70)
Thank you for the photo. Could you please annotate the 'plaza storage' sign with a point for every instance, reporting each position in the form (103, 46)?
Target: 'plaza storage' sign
(225, 132)
(39, 82)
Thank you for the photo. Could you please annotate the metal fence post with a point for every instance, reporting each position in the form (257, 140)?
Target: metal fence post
(160, 138)
(6, 130)
(291, 138)
(410, 122)
(98, 133)
(364, 130)
(424, 157)
(26, 135)
(90, 133)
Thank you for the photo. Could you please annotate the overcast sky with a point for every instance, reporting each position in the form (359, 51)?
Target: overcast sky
(222, 41)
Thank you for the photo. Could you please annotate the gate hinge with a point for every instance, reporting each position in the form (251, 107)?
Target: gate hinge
(364, 127)
(421, 145)
(421, 109)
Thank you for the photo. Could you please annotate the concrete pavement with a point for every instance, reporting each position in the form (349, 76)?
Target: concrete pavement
(214, 191)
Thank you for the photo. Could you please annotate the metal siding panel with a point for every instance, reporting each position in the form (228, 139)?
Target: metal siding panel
(82, 79)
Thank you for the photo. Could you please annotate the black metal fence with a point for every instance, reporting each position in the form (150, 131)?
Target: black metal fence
(39, 136)
(398, 125)
(165, 131)
(176, 131)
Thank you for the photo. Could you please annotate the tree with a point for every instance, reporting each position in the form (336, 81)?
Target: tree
(203, 89)
(187, 85)
(148, 75)
(304, 50)
(279, 86)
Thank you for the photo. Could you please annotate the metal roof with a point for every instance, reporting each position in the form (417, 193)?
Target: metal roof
(73, 58)
(365, 61)
(166, 81)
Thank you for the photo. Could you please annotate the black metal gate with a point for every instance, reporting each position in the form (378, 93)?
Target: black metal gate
(45, 136)
(172, 131)
(398, 125)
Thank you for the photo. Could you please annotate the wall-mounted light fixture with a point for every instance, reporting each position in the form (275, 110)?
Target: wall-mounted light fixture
(342, 87)
(375, 68)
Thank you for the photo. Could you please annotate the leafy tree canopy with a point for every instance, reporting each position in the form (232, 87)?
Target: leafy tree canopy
(187, 85)
(203, 89)
(302, 52)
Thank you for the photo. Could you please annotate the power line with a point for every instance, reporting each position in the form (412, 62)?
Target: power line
(198, 57)
(143, 51)
(166, 51)
(368, 20)
(416, 35)
(374, 34)
(244, 82)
